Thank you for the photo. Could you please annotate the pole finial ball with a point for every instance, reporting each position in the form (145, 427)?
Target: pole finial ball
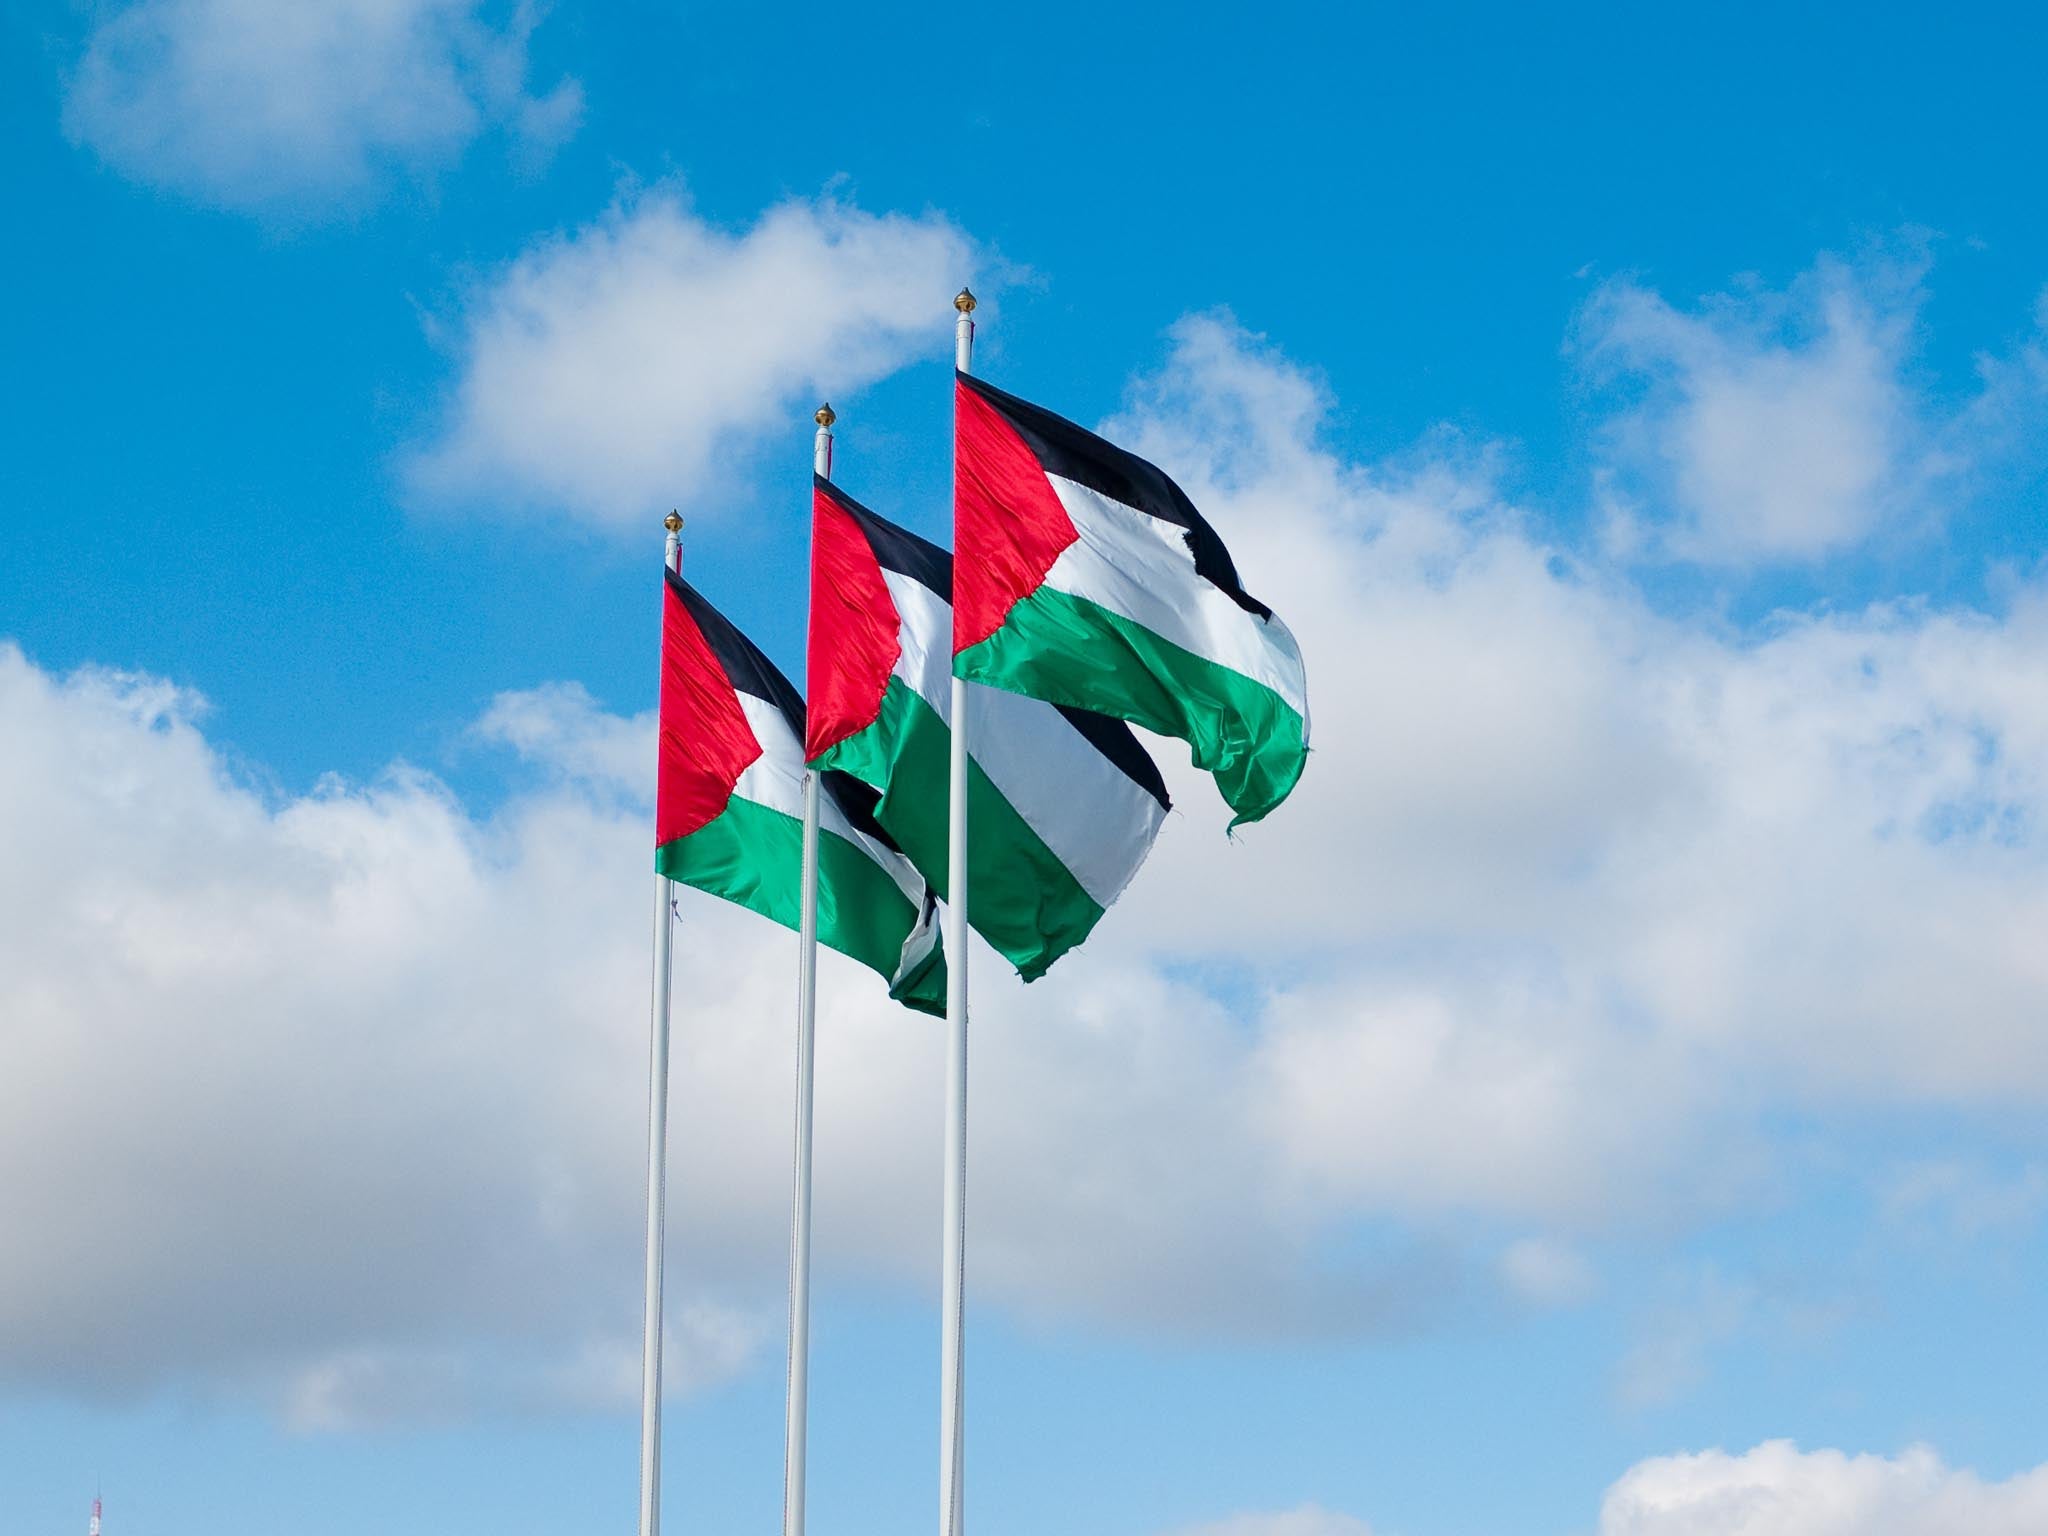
(673, 522)
(964, 302)
(826, 415)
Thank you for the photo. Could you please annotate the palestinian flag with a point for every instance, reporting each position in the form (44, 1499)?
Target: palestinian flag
(1062, 805)
(1088, 578)
(729, 807)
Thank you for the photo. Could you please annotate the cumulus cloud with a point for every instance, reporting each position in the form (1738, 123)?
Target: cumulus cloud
(1775, 1489)
(1582, 862)
(563, 727)
(1779, 1490)
(347, 1059)
(621, 367)
(1769, 426)
(289, 109)
(1573, 897)
(335, 1101)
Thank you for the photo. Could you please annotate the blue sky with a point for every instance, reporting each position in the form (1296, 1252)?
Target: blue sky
(1621, 1058)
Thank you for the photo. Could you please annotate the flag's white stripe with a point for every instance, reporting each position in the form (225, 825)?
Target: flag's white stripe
(1095, 820)
(775, 779)
(1140, 567)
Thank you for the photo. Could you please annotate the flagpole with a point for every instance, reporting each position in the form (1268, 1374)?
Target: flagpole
(953, 1279)
(657, 1157)
(797, 1422)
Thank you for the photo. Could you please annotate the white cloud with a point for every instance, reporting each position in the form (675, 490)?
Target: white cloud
(620, 368)
(1572, 897)
(1772, 426)
(703, 1344)
(1547, 1273)
(1779, 1490)
(1568, 881)
(1309, 1520)
(562, 726)
(335, 1101)
(289, 108)
(346, 1061)
(1775, 1489)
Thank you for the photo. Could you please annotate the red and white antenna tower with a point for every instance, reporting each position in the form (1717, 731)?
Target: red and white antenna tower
(94, 1528)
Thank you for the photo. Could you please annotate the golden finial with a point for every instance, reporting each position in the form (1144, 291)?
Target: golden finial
(965, 302)
(826, 416)
(673, 522)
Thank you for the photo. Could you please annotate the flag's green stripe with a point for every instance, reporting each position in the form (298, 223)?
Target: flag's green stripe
(753, 855)
(1068, 650)
(1024, 901)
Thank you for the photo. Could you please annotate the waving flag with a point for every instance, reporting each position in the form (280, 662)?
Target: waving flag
(729, 807)
(1087, 578)
(1063, 805)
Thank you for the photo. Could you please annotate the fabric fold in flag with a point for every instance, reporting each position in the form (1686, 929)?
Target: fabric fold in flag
(1086, 577)
(1063, 805)
(729, 807)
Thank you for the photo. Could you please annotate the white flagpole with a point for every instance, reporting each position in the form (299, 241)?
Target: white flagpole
(797, 1423)
(953, 1279)
(657, 1159)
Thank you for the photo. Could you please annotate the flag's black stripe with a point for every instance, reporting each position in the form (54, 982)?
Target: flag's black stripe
(751, 672)
(858, 800)
(1113, 739)
(1074, 453)
(899, 550)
